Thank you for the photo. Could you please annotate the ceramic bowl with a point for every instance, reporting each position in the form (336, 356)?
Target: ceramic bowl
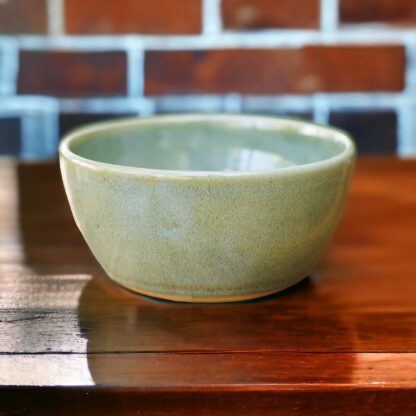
(207, 208)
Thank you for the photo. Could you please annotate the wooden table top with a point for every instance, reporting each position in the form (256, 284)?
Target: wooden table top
(341, 342)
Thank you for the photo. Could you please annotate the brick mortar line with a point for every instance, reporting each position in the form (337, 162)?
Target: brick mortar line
(233, 103)
(410, 75)
(9, 64)
(211, 17)
(139, 105)
(44, 127)
(321, 108)
(56, 17)
(336, 101)
(135, 70)
(329, 25)
(406, 125)
(264, 40)
(329, 16)
(236, 102)
(406, 131)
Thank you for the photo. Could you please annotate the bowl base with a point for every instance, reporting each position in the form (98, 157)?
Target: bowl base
(202, 299)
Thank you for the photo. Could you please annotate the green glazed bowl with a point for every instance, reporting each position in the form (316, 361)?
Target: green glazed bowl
(207, 208)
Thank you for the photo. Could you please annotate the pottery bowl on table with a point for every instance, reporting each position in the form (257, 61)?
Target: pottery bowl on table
(207, 208)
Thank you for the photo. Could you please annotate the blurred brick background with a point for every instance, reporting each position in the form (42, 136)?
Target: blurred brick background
(349, 63)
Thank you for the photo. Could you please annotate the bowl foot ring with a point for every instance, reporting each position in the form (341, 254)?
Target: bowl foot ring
(202, 299)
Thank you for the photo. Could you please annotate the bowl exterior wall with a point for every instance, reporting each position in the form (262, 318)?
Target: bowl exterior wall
(207, 237)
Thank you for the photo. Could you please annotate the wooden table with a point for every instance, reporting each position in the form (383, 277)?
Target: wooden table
(342, 342)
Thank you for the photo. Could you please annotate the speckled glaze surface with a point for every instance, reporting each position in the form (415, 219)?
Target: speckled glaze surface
(207, 207)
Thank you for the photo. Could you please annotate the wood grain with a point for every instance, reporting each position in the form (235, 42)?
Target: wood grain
(343, 341)
(224, 371)
(110, 401)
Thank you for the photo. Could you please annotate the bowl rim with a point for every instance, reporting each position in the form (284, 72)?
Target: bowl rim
(243, 121)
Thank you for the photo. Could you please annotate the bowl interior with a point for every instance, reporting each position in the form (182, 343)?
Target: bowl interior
(241, 144)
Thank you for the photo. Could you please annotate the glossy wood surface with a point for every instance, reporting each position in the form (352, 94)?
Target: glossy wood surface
(343, 341)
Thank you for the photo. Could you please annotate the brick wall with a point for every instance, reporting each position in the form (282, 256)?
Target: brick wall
(349, 63)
